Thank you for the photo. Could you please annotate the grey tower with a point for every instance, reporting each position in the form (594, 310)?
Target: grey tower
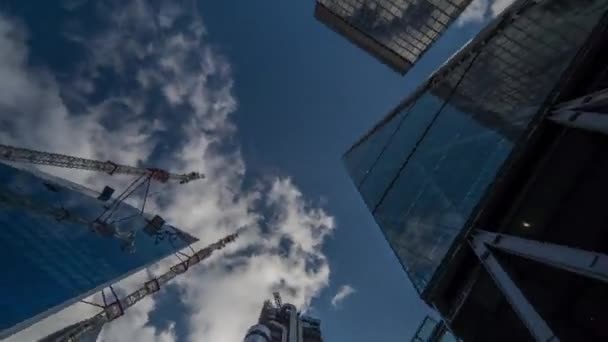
(283, 323)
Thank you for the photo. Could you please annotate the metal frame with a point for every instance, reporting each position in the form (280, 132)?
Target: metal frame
(589, 112)
(24, 155)
(595, 99)
(586, 263)
(417, 337)
(531, 135)
(591, 121)
(523, 308)
(440, 329)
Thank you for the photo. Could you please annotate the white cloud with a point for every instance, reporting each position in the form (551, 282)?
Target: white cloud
(344, 292)
(281, 249)
(168, 13)
(499, 5)
(134, 327)
(474, 13)
(479, 10)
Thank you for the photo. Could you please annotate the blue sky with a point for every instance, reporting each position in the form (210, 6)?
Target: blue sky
(305, 95)
(280, 100)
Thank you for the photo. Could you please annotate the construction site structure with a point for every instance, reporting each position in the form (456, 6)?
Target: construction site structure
(89, 329)
(24, 155)
(92, 326)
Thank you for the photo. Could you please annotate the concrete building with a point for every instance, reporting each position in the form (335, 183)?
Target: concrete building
(396, 32)
(283, 323)
(487, 180)
(62, 243)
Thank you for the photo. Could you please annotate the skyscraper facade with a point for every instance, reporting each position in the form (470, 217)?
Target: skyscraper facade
(62, 242)
(396, 32)
(283, 323)
(488, 203)
(425, 166)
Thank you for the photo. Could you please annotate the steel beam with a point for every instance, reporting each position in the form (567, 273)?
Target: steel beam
(586, 263)
(589, 112)
(590, 121)
(523, 308)
(593, 100)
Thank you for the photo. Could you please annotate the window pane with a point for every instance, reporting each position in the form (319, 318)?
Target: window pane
(400, 145)
(360, 159)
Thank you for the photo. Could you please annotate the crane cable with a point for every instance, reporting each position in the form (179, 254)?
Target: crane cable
(143, 207)
(120, 200)
(110, 210)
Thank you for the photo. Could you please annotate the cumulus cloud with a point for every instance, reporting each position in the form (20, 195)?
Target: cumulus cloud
(474, 13)
(169, 105)
(344, 292)
(500, 5)
(135, 327)
(479, 10)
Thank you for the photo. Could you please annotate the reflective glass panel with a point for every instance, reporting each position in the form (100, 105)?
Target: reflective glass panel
(426, 177)
(52, 254)
(360, 159)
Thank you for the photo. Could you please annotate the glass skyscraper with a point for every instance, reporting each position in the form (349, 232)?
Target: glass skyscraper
(397, 32)
(424, 168)
(56, 251)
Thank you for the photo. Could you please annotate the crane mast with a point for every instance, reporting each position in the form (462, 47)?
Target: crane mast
(24, 155)
(116, 309)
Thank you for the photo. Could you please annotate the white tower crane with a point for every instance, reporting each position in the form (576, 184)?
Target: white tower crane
(117, 308)
(24, 155)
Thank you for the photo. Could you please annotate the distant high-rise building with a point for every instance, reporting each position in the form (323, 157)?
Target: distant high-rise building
(397, 32)
(58, 248)
(485, 181)
(283, 323)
